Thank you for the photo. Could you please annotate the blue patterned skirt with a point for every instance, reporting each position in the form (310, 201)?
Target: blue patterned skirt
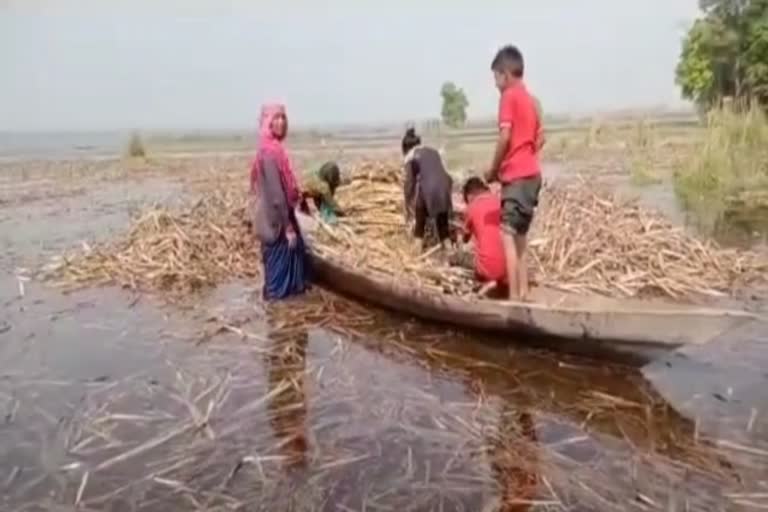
(286, 269)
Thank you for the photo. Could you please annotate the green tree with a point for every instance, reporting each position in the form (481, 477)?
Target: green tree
(455, 103)
(725, 54)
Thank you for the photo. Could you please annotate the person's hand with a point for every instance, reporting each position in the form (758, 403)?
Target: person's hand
(490, 175)
(290, 235)
(460, 208)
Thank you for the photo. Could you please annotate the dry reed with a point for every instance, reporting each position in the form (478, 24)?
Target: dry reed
(584, 241)
(201, 246)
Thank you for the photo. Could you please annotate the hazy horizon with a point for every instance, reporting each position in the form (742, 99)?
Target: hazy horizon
(198, 65)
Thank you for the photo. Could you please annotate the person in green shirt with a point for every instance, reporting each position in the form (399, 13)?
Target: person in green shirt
(321, 187)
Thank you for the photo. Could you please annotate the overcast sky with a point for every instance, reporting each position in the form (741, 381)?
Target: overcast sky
(196, 64)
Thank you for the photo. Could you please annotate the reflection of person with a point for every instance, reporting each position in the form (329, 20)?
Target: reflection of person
(513, 462)
(321, 187)
(516, 163)
(288, 409)
(427, 187)
(275, 195)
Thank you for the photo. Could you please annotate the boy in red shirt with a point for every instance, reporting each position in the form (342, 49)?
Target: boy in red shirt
(482, 221)
(516, 164)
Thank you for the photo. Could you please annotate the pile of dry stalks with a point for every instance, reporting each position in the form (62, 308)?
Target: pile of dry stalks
(201, 246)
(583, 241)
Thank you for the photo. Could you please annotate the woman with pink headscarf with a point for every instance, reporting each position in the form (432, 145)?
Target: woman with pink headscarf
(275, 195)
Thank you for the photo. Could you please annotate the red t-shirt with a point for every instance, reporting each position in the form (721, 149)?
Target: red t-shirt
(483, 221)
(517, 110)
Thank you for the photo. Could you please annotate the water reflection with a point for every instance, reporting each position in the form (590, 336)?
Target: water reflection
(514, 455)
(323, 405)
(286, 361)
(743, 226)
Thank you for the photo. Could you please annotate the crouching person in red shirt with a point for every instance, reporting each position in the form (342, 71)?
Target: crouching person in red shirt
(482, 222)
(516, 164)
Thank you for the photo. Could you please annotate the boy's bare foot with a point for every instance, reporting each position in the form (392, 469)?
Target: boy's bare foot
(487, 288)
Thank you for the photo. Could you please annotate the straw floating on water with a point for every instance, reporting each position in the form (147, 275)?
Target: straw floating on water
(396, 421)
(198, 247)
(584, 240)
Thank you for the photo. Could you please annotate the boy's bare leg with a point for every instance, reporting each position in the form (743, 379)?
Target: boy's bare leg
(510, 255)
(521, 247)
(487, 288)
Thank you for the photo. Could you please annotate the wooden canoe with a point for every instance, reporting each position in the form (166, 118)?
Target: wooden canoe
(621, 329)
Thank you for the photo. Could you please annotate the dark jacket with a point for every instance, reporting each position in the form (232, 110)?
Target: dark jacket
(427, 180)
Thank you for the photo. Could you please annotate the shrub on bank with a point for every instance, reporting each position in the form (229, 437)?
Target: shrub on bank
(731, 159)
(136, 147)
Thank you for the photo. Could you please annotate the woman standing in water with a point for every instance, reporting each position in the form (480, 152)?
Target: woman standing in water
(275, 195)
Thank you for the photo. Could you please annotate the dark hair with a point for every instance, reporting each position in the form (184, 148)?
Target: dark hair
(471, 186)
(331, 174)
(509, 59)
(410, 140)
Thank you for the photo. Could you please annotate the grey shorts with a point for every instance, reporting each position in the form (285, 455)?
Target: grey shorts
(519, 200)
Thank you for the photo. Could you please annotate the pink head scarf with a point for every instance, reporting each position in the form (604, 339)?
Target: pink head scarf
(272, 147)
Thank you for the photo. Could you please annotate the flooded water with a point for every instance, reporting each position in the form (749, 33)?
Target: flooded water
(18, 146)
(58, 221)
(226, 405)
(110, 401)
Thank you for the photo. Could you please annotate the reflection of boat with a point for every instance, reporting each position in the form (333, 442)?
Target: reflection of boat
(596, 326)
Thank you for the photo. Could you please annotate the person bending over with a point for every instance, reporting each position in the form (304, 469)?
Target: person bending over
(427, 188)
(482, 224)
(321, 188)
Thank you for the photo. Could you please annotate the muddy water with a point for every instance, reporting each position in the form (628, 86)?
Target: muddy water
(55, 220)
(115, 402)
(111, 402)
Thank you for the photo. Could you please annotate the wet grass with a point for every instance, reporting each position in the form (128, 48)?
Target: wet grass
(728, 169)
(642, 146)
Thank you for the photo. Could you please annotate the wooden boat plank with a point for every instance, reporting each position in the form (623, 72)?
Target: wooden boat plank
(627, 326)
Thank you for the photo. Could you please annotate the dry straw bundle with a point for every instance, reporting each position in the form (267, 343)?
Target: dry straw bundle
(588, 241)
(201, 246)
(583, 241)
